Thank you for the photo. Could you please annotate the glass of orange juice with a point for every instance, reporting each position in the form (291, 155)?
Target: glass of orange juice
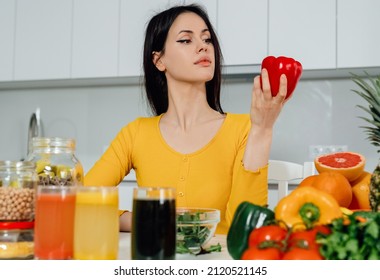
(54, 222)
(96, 223)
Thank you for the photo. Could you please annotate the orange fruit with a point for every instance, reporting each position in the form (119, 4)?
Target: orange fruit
(336, 185)
(360, 192)
(308, 181)
(349, 164)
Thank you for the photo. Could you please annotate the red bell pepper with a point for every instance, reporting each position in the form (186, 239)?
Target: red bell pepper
(276, 66)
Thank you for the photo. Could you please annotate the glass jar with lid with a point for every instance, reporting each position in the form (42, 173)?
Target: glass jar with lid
(16, 240)
(56, 163)
(18, 182)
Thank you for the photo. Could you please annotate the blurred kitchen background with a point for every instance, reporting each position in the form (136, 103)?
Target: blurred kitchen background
(79, 63)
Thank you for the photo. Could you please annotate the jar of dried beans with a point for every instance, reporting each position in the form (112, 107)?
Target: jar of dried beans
(56, 163)
(18, 182)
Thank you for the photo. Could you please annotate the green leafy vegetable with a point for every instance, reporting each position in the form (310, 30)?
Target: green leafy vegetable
(352, 238)
(191, 236)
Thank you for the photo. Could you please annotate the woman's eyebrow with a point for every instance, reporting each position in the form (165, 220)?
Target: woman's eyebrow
(185, 31)
(190, 31)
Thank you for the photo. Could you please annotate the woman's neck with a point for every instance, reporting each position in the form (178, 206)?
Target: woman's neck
(188, 107)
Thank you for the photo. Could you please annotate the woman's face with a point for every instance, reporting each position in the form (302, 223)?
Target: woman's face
(189, 53)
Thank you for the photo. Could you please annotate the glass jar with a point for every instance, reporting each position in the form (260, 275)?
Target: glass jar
(56, 163)
(16, 240)
(18, 182)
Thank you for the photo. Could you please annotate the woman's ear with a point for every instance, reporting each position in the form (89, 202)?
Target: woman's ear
(157, 61)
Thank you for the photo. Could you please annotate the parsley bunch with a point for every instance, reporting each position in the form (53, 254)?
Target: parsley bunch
(355, 237)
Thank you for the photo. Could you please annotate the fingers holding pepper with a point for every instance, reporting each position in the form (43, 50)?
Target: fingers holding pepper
(265, 84)
(265, 108)
(283, 89)
(262, 86)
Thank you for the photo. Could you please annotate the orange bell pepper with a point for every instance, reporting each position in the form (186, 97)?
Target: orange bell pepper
(307, 206)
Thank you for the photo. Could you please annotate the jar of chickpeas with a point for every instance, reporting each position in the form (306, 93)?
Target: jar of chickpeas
(18, 182)
(56, 162)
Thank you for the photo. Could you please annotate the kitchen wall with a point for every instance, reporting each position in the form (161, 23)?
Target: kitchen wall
(321, 112)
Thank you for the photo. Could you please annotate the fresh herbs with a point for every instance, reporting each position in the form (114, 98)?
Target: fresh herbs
(355, 237)
(191, 235)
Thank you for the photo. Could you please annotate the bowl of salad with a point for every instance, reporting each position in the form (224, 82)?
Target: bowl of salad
(195, 227)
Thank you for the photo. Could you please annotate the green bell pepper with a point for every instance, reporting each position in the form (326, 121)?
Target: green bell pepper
(247, 217)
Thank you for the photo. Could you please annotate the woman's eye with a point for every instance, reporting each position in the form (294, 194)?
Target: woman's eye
(208, 41)
(184, 41)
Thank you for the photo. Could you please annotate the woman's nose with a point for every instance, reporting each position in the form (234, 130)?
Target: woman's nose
(202, 46)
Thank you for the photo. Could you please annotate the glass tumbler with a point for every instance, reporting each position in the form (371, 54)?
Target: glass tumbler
(54, 222)
(153, 224)
(96, 226)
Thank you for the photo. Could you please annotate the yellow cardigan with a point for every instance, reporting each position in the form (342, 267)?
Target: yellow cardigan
(212, 177)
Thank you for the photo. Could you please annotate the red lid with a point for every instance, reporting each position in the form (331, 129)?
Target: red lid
(16, 225)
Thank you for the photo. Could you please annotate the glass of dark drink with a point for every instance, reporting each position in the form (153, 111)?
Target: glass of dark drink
(154, 224)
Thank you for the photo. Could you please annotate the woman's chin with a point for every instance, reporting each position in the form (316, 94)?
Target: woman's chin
(208, 77)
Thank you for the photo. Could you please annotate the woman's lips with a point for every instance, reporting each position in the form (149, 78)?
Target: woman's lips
(204, 61)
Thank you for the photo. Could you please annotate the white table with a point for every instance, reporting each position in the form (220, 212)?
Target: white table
(125, 249)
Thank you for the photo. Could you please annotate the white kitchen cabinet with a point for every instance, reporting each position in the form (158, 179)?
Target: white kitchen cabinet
(211, 7)
(7, 30)
(134, 16)
(43, 39)
(358, 33)
(305, 30)
(95, 51)
(243, 31)
(70, 39)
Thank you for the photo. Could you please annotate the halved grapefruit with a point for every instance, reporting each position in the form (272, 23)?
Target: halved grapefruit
(349, 164)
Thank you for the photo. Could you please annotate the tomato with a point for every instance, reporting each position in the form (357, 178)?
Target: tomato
(302, 239)
(302, 254)
(255, 253)
(322, 229)
(307, 238)
(266, 233)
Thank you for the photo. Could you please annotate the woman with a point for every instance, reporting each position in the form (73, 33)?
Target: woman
(213, 159)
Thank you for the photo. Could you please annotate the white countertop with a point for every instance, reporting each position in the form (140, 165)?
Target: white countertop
(125, 249)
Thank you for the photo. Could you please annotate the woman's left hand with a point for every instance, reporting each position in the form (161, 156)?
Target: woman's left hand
(265, 108)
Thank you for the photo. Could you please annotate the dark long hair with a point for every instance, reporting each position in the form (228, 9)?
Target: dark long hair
(155, 37)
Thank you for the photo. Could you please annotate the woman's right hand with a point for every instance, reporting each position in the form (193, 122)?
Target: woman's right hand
(265, 108)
